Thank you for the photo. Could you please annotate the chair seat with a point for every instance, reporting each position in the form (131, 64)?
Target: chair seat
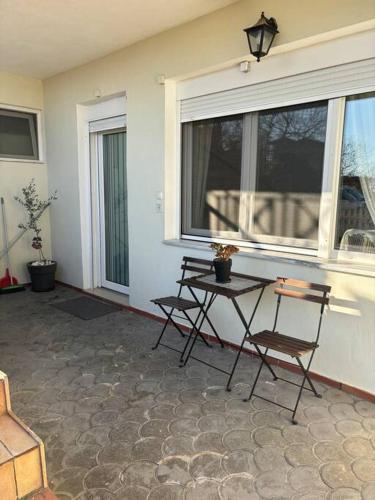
(282, 343)
(176, 302)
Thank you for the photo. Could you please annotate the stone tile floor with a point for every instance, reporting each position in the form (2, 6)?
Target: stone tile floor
(120, 421)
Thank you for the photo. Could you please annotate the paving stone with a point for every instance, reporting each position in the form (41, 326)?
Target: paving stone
(239, 439)
(269, 435)
(350, 428)
(173, 470)
(81, 456)
(300, 454)
(140, 473)
(216, 423)
(344, 411)
(330, 451)
(365, 408)
(364, 469)
(187, 426)
(167, 492)
(209, 441)
(273, 484)
(368, 491)
(310, 495)
(270, 458)
(234, 405)
(69, 480)
(132, 493)
(95, 436)
(128, 432)
(115, 453)
(177, 445)
(191, 396)
(345, 494)
(337, 396)
(188, 410)
(269, 418)
(239, 461)
(103, 476)
(147, 449)
(206, 464)
(359, 447)
(105, 417)
(369, 425)
(239, 487)
(338, 475)
(305, 477)
(317, 413)
(155, 428)
(163, 411)
(202, 488)
(325, 431)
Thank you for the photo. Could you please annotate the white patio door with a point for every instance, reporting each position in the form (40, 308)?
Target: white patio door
(113, 210)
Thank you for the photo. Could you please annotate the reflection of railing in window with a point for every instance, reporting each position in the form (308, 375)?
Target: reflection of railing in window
(223, 210)
(353, 215)
(290, 215)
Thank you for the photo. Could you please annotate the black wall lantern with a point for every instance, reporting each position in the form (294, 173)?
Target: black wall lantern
(261, 35)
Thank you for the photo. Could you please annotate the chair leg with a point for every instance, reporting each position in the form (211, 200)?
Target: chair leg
(306, 373)
(169, 319)
(255, 381)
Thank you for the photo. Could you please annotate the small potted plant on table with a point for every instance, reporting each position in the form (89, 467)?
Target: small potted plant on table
(42, 271)
(223, 261)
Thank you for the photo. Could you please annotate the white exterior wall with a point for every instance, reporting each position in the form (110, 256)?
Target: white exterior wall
(348, 338)
(24, 92)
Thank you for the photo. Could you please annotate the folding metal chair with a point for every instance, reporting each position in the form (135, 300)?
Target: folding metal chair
(291, 346)
(178, 303)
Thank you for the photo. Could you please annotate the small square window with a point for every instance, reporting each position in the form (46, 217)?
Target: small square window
(18, 135)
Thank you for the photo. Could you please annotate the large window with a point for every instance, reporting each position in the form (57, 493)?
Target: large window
(355, 228)
(259, 177)
(18, 135)
(256, 176)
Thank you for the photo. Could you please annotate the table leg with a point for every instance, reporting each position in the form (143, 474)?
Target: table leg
(246, 335)
(197, 330)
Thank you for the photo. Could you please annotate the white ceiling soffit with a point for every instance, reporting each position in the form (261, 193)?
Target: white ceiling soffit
(40, 38)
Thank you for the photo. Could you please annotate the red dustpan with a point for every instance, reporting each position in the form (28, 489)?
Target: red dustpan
(8, 280)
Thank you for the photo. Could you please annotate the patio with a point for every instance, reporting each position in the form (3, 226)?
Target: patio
(120, 421)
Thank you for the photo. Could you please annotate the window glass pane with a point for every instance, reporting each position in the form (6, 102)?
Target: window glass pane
(289, 169)
(212, 152)
(355, 226)
(18, 135)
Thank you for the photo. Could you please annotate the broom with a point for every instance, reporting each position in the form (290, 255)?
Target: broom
(8, 283)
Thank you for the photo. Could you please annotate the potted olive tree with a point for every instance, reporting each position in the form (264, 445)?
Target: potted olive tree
(42, 271)
(223, 262)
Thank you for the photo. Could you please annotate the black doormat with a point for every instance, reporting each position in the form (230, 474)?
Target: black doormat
(86, 308)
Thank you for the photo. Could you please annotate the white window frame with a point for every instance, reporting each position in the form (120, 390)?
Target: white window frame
(37, 139)
(328, 204)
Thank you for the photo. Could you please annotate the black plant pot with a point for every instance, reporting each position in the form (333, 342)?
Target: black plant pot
(42, 277)
(222, 270)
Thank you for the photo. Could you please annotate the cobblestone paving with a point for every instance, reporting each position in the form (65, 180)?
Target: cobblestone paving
(120, 421)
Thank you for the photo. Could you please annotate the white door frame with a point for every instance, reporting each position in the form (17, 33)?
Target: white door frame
(116, 124)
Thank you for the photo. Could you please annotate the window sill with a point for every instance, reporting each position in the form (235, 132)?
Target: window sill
(359, 269)
(21, 160)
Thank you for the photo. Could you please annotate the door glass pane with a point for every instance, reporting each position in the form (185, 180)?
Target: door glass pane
(215, 154)
(115, 208)
(289, 169)
(18, 132)
(355, 226)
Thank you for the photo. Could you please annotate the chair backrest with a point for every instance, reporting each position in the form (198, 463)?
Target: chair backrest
(198, 266)
(194, 265)
(297, 289)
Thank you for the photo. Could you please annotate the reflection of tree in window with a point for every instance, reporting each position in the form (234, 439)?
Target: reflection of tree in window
(290, 154)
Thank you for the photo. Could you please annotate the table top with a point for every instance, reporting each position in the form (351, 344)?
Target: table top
(238, 285)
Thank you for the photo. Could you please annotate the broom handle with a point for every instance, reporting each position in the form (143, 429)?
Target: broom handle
(5, 232)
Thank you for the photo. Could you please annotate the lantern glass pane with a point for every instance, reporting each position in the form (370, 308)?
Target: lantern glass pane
(267, 41)
(255, 38)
